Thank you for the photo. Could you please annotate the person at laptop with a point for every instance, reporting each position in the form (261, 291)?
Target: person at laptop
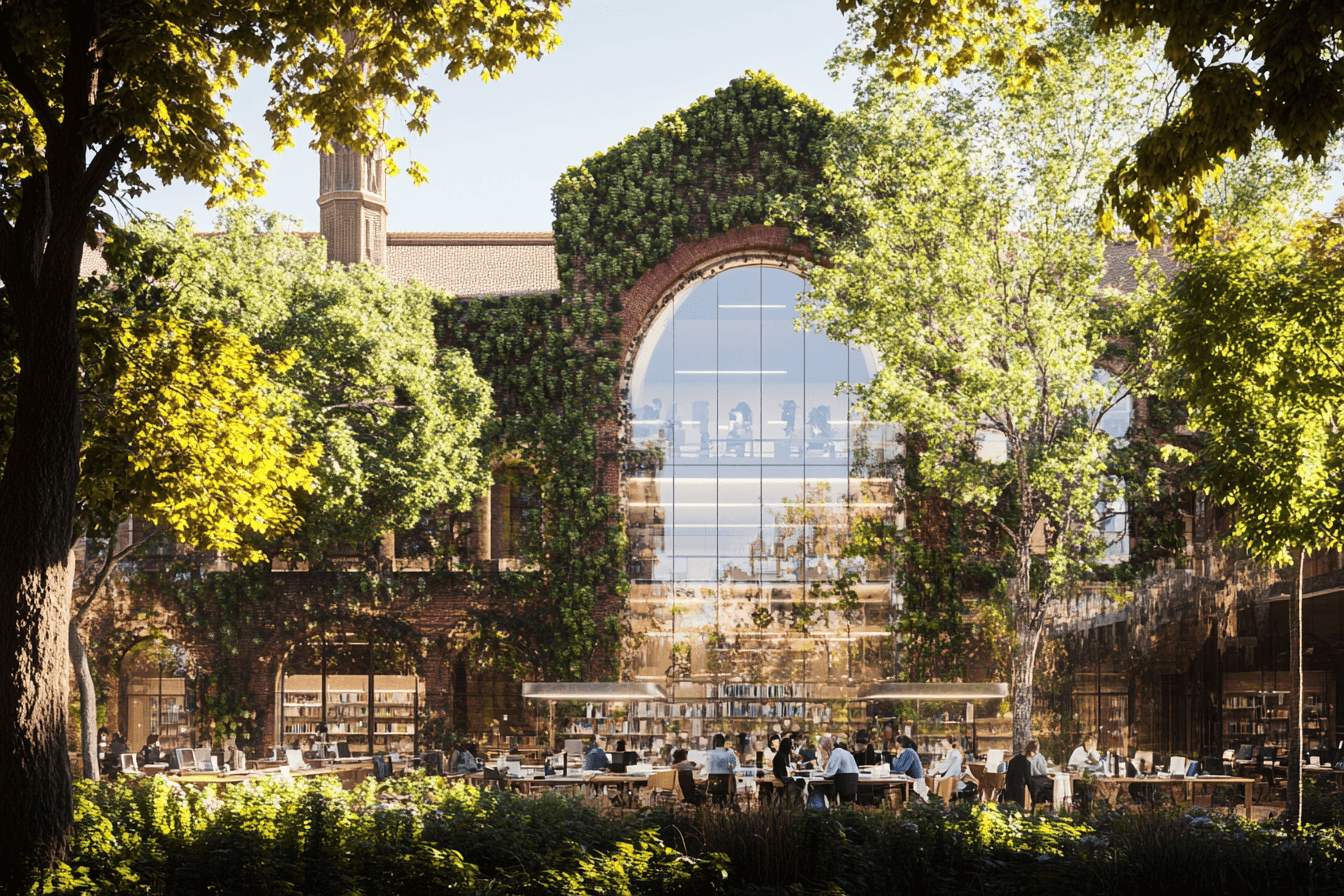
(595, 759)
(150, 752)
(1086, 755)
(680, 760)
(721, 760)
(463, 760)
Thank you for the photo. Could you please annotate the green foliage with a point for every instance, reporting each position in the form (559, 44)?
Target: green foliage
(397, 419)
(554, 361)
(155, 84)
(419, 835)
(1238, 70)
(714, 166)
(1257, 333)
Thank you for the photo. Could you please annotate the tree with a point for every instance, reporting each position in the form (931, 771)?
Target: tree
(188, 431)
(393, 425)
(964, 255)
(1242, 68)
(94, 94)
(398, 420)
(1255, 342)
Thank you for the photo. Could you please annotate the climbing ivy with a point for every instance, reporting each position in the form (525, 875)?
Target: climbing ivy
(554, 361)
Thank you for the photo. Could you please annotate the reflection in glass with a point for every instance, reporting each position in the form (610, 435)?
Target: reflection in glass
(765, 464)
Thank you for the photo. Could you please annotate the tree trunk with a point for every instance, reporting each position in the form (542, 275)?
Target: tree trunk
(1295, 740)
(37, 495)
(88, 703)
(1024, 670)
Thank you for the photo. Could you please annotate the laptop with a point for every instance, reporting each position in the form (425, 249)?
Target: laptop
(1191, 770)
(294, 760)
(183, 759)
(1177, 766)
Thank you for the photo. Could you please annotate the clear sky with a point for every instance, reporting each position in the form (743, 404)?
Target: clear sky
(494, 150)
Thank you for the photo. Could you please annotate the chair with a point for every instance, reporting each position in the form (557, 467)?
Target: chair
(723, 787)
(382, 768)
(432, 762)
(847, 786)
(944, 788)
(343, 750)
(686, 784)
(663, 787)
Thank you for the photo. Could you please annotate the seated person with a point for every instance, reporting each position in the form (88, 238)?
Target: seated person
(1086, 756)
(771, 747)
(807, 753)
(867, 755)
(112, 761)
(906, 762)
(150, 752)
(950, 766)
(621, 758)
(782, 767)
(839, 761)
(463, 760)
(722, 760)
(680, 760)
(1021, 776)
(595, 759)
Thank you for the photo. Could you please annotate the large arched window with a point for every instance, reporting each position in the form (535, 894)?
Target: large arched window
(754, 468)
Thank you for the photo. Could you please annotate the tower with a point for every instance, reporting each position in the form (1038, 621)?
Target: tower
(352, 198)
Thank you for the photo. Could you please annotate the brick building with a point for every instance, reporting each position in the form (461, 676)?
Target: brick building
(760, 469)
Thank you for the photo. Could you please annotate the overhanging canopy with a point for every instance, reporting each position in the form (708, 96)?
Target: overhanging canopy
(934, 690)
(595, 691)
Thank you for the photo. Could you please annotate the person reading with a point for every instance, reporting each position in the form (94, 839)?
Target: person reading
(1086, 755)
(841, 768)
(906, 762)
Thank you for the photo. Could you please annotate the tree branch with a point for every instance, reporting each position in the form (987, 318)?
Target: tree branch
(113, 558)
(17, 73)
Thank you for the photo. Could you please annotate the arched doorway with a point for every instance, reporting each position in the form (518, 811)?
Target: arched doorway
(156, 695)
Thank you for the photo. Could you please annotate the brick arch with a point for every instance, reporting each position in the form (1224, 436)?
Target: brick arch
(690, 261)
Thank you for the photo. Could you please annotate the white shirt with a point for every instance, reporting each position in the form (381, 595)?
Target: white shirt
(950, 767)
(841, 762)
(1081, 757)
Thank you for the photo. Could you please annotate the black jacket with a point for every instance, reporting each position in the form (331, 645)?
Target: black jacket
(1017, 778)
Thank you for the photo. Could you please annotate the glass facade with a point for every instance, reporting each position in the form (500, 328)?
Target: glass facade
(755, 471)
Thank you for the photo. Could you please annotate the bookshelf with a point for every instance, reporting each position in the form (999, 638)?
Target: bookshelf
(1256, 711)
(396, 700)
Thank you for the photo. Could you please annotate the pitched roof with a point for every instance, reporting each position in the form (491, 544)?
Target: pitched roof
(475, 264)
